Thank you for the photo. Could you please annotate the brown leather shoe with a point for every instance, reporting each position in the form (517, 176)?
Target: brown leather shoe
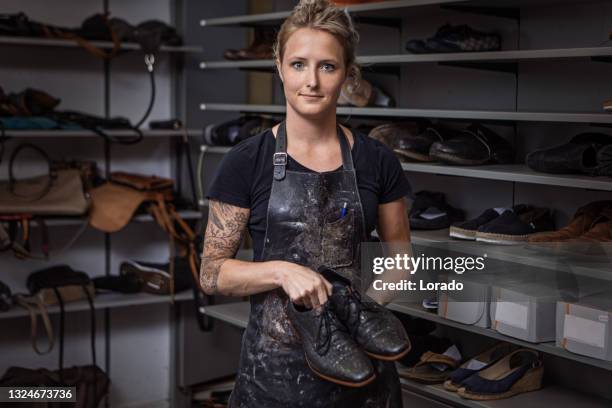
(260, 48)
(579, 225)
(597, 241)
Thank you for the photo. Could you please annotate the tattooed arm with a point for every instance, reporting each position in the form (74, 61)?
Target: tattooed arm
(220, 274)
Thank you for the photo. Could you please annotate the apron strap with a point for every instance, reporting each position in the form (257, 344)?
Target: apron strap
(279, 160)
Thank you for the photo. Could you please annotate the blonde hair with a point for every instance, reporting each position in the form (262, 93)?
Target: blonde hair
(321, 15)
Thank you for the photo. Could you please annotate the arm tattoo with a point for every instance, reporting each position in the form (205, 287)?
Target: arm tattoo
(224, 233)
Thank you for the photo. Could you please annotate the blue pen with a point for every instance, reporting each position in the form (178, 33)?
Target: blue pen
(343, 212)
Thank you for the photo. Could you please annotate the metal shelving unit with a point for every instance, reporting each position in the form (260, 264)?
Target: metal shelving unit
(506, 116)
(105, 301)
(69, 221)
(88, 133)
(398, 59)
(126, 46)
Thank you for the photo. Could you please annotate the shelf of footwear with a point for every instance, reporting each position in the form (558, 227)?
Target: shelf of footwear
(548, 396)
(519, 254)
(68, 221)
(509, 116)
(358, 8)
(519, 173)
(55, 42)
(237, 314)
(88, 133)
(415, 309)
(398, 59)
(106, 301)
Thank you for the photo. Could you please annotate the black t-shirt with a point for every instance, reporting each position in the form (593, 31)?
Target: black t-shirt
(244, 179)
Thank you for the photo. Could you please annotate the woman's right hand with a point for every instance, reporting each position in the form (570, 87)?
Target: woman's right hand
(303, 285)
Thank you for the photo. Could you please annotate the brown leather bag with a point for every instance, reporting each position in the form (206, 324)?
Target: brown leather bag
(60, 192)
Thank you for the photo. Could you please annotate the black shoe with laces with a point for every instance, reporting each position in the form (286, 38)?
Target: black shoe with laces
(329, 349)
(380, 334)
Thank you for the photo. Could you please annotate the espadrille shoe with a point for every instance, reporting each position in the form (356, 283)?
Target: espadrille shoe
(476, 364)
(519, 372)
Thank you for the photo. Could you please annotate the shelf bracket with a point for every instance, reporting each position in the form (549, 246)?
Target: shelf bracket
(502, 12)
(507, 67)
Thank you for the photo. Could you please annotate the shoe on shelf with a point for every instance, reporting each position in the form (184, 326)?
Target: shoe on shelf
(516, 225)
(260, 48)
(416, 147)
(430, 211)
(156, 277)
(587, 153)
(396, 134)
(582, 221)
(597, 241)
(234, 131)
(361, 93)
(519, 372)
(467, 229)
(373, 327)
(460, 38)
(329, 350)
(121, 283)
(476, 364)
(433, 368)
(474, 146)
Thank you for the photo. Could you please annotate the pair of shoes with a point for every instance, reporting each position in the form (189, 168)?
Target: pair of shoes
(475, 145)
(260, 48)
(505, 226)
(361, 93)
(339, 337)
(430, 211)
(597, 241)
(476, 364)
(234, 131)
(586, 153)
(460, 38)
(433, 368)
(518, 372)
(583, 220)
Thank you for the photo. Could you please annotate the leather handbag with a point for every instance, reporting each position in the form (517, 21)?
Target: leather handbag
(60, 192)
(59, 284)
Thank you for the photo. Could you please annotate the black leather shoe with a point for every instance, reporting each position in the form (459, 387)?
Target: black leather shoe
(416, 147)
(330, 351)
(430, 211)
(587, 153)
(374, 328)
(476, 145)
(467, 229)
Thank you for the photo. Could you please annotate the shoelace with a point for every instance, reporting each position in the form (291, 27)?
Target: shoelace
(328, 324)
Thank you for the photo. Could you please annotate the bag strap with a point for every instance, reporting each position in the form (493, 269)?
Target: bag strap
(11, 173)
(29, 303)
(60, 300)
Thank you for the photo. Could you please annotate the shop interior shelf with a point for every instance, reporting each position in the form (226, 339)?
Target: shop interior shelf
(88, 133)
(548, 396)
(238, 314)
(518, 254)
(106, 301)
(68, 221)
(396, 59)
(55, 42)
(511, 116)
(513, 172)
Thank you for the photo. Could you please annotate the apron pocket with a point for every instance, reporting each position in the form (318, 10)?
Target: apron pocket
(337, 242)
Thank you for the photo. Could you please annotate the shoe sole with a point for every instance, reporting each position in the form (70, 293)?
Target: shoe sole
(388, 358)
(337, 381)
(451, 386)
(457, 160)
(532, 381)
(413, 156)
(502, 239)
(152, 282)
(461, 233)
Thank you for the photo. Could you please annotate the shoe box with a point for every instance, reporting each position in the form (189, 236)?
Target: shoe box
(585, 326)
(472, 305)
(527, 310)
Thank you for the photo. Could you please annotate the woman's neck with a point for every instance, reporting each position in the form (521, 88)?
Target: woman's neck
(310, 130)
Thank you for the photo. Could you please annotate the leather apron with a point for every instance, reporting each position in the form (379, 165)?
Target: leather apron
(306, 224)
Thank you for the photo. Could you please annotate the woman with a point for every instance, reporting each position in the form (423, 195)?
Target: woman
(309, 191)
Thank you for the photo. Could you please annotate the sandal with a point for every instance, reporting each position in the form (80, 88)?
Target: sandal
(433, 368)
(519, 372)
(476, 364)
